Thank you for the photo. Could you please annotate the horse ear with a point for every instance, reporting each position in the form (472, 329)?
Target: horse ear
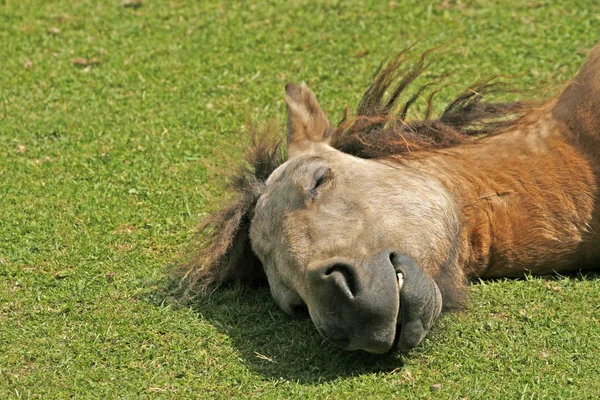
(306, 122)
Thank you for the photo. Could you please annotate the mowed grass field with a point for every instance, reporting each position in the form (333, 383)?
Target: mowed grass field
(117, 127)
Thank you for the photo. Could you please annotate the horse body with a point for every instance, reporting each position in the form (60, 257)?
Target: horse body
(373, 228)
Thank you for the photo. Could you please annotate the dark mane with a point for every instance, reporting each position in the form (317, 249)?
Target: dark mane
(381, 129)
(223, 255)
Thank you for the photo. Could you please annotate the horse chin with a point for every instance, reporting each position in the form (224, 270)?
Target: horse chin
(389, 347)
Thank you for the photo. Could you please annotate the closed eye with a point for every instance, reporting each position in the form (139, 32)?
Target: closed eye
(320, 177)
(319, 181)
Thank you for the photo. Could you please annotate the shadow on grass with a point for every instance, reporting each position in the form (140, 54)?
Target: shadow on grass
(275, 345)
(279, 347)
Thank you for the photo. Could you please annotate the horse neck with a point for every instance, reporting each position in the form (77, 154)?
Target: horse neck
(526, 197)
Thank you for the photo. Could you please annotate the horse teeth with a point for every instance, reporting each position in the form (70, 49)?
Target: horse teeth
(400, 278)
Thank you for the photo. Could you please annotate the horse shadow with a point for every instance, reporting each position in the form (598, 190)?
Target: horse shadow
(277, 346)
(273, 344)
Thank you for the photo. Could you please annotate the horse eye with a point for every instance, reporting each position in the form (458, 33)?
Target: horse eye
(319, 180)
(319, 177)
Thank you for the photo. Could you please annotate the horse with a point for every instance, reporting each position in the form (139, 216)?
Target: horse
(375, 228)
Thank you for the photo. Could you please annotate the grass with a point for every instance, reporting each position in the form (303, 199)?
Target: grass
(115, 126)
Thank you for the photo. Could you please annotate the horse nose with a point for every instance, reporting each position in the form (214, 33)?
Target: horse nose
(338, 278)
(355, 304)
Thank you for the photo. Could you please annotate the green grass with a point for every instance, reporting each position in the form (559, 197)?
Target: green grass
(106, 169)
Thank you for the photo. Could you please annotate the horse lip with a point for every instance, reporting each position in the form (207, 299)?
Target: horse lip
(389, 347)
(398, 326)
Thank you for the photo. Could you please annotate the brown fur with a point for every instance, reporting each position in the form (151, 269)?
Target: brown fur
(528, 203)
(527, 200)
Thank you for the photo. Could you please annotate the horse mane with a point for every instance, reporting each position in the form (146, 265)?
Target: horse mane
(380, 129)
(222, 253)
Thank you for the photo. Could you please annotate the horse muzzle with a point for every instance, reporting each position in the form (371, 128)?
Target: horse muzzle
(384, 302)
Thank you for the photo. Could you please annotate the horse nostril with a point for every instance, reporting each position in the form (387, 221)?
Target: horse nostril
(393, 256)
(347, 274)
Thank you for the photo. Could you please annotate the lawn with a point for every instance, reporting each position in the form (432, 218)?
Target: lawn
(117, 124)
